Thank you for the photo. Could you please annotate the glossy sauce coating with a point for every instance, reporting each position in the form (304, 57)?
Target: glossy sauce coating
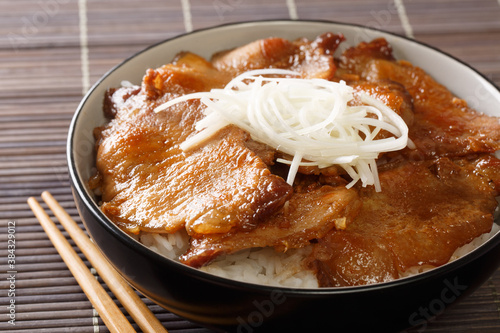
(435, 198)
(426, 210)
(229, 194)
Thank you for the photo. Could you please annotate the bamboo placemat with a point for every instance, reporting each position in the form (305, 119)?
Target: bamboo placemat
(51, 51)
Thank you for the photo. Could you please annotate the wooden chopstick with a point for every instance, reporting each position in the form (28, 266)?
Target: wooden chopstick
(114, 319)
(123, 292)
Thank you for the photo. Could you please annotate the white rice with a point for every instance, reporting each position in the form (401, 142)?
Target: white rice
(168, 245)
(266, 266)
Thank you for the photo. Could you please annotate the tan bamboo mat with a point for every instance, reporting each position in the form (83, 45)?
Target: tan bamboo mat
(52, 51)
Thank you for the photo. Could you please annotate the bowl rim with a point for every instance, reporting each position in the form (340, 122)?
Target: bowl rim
(80, 188)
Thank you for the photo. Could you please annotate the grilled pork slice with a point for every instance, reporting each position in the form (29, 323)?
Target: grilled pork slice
(425, 211)
(312, 59)
(306, 217)
(443, 125)
(149, 183)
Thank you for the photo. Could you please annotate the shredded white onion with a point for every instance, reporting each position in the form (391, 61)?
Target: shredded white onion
(309, 119)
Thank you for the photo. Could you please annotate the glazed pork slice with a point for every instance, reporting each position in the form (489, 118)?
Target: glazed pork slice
(149, 183)
(425, 211)
(312, 59)
(354, 61)
(306, 217)
(443, 125)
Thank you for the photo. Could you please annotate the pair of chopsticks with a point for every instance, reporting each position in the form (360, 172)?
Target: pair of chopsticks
(112, 316)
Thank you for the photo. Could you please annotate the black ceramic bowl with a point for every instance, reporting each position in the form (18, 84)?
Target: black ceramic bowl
(229, 305)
